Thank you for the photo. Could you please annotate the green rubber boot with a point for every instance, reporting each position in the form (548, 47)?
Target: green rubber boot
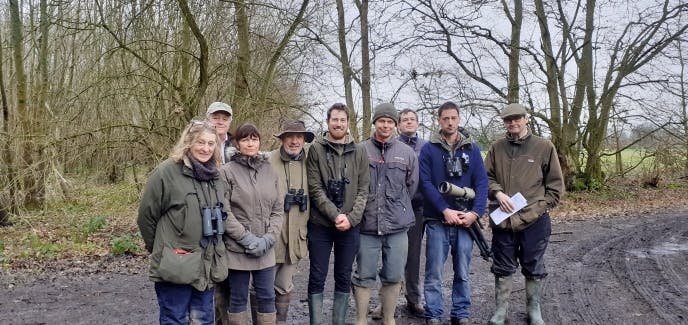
(503, 287)
(315, 305)
(339, 307)
(533, 293)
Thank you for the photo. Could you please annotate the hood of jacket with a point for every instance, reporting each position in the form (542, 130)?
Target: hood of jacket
(465, 140)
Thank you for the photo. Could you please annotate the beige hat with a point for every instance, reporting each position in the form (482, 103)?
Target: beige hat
(296, 127)
(513, 109)
(219, 107)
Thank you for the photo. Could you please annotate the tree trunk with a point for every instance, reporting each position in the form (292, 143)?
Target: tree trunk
(515, 51)
(365, 69)
(25, 163)
(241, 99)
(8, 203)
(347, 73)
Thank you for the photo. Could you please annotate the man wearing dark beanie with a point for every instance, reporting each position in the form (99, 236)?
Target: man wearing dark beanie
(387, 216)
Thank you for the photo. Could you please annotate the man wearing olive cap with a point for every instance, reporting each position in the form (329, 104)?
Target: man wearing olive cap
(525, 163)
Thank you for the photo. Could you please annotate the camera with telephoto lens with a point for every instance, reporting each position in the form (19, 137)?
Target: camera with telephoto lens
(335, 191)
(455, 166)
(295, 197)
(213, 220)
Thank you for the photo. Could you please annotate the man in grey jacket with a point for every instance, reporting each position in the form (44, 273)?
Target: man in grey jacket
(387, 217)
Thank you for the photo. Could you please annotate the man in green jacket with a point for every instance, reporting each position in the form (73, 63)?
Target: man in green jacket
(338, 179)
(289, 163)
(521, 163)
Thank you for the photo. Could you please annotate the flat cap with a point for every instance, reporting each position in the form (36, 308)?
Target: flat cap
(513, 109)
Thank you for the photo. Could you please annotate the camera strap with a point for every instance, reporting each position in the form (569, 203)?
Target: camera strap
(287, 173)
(342, 167)
(211, 185)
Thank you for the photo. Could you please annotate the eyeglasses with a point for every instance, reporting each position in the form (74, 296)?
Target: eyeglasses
(202, 123)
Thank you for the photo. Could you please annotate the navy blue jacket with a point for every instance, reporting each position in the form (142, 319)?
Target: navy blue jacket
(433, 172)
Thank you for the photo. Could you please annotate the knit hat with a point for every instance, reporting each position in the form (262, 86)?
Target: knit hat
(386, 110)
(512, 110)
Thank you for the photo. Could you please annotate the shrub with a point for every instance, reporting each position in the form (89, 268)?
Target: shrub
(124, 245)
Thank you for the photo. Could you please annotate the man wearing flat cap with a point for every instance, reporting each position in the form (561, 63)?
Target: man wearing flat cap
(220, 115)
(521, 162)
(387, 216)
(289, 163)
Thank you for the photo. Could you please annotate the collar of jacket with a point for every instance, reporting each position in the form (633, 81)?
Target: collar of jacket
(465, 140)
(409, 140)
(341, 148)
(514, 140)
(286, 157)
(383, 146)
(253, 162)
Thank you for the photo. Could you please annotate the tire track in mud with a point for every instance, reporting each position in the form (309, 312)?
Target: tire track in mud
(622, 272)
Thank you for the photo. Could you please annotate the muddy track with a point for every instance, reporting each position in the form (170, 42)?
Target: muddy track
(621, 270)
(629, 271)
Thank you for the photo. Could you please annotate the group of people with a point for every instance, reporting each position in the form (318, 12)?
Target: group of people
(220, 212)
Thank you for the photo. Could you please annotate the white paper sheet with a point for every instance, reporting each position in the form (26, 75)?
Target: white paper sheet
(519, 203)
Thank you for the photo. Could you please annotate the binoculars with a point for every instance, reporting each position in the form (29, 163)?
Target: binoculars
(455, 166)
(335, 190)
(213, 220)
(295, 197)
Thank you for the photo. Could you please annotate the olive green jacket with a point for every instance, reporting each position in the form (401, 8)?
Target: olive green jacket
(169, 218)
(291, 246)
(528, 165)
(332, 161)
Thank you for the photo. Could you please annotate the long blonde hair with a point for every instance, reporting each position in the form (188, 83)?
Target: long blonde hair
(190, 134)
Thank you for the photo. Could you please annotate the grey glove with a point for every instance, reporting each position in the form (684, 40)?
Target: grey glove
(250, 241)
(265, 244)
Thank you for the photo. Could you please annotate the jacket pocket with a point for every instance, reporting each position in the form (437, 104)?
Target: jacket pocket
(303, 243)
(218, 266)
(180, 265)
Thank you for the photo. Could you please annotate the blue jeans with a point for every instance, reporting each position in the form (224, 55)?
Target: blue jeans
(526, 246)
(321, 240)
(439, 238)
(394, 248)
(263, 284)
(182, 304)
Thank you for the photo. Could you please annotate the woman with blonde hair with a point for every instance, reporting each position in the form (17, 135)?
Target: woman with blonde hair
(182, 217)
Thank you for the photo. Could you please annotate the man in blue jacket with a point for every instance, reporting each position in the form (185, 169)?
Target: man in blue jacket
(452, 157)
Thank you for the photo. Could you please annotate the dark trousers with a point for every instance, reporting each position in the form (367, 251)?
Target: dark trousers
(321, 241)
(526, 247)
(183, 304)
(263, 284)
(415, 246)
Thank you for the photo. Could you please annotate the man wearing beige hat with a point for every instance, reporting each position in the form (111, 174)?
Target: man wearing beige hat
(289, 163)
(387, 216)
(220, 114)
(521, 162)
